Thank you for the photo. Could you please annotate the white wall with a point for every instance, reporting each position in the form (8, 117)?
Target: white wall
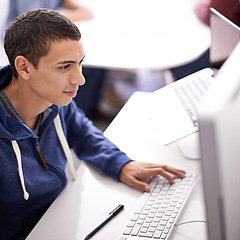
(3, 16)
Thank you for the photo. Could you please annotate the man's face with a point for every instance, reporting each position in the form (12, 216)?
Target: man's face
(59, 74)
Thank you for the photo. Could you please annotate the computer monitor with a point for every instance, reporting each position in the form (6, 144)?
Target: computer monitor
(225, 35)
(219, 131)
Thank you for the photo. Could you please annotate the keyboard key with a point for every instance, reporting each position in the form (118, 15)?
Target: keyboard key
(135, 217)
(131, 223)
(127, 231)
(123, 238)
(135, 230)
(142, 203)
(157, 234)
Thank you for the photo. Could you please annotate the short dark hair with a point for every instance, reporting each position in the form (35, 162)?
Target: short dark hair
(32, 33)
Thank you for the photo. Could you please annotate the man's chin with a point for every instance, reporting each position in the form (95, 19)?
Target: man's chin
(65, 103)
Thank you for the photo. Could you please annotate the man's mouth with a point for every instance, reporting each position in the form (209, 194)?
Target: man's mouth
(71, 94)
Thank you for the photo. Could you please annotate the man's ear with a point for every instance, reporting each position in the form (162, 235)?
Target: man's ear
(22, 67)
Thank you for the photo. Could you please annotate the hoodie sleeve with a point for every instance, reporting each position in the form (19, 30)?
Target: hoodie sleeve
(89, 143)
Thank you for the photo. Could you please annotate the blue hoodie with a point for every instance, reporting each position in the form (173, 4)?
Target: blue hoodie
(26, 187)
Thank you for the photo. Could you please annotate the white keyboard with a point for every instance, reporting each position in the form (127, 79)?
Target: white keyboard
(157, 211)
(191, 94)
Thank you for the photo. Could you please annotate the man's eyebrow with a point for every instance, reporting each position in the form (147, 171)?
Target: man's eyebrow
(70, 61)
(82, 59)
(66, 62)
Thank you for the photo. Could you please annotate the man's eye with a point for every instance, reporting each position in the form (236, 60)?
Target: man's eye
(65, 67)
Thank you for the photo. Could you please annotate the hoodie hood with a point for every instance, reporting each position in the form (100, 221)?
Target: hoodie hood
(10, 128)
(5, 76)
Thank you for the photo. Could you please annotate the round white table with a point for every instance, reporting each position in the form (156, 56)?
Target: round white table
(142, 34)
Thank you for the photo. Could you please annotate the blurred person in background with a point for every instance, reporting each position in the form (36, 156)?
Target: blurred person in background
(74, 11)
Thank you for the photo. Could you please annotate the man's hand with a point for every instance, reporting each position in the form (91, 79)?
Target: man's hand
(133, 172)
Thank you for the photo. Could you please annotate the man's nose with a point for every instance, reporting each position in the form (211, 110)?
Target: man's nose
(77, 77)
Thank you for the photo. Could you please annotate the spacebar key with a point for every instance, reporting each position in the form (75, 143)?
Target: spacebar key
(141, 203)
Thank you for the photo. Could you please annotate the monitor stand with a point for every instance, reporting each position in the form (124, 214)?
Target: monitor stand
(189, 146)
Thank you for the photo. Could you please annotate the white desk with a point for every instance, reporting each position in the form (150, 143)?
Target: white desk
(84, 204)
(142, 34)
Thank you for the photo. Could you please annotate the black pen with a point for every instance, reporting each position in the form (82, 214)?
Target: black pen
(111, 215)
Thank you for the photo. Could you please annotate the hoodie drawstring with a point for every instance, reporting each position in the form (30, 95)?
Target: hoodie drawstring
(20, 170)
(66, 149)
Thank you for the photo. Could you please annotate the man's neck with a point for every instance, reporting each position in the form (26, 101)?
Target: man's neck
(24, 102)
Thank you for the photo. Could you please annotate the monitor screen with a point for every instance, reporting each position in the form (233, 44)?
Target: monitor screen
(219, 131)
(225, 35)
(228, 8)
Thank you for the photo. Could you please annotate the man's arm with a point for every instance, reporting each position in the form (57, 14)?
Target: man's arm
(92, 146)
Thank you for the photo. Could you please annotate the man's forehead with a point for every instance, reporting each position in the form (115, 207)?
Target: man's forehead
(71, 50)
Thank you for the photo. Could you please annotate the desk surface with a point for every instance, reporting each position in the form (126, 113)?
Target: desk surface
(85, 203)
(142, 34)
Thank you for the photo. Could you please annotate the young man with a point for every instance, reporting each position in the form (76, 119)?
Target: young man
(39, 119)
